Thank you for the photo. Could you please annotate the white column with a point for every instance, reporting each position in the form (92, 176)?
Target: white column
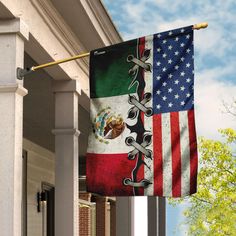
(125, 216)
(156, 216)
(12, 36)
(67, 153)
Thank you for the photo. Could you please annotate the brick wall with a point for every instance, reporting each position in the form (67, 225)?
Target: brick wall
(85, 216)
(101, 216)
(105, 216)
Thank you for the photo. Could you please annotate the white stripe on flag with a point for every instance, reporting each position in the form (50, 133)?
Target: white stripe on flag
(166, 153)
(185, 153)
(148, 77)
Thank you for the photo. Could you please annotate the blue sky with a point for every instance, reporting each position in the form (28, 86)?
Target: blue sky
(215, 58)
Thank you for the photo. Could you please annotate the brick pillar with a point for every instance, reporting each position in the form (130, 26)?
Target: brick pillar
(101, 216)
(85, 216)
(113, 217)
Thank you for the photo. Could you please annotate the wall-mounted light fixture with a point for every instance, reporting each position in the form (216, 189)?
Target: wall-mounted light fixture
(41, 198)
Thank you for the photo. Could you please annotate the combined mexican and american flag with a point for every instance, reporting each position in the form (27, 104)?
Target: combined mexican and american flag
(143, 140)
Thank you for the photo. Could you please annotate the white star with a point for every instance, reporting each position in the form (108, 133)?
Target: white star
(158, 63)
(177, 39)
(192, 71)
(182, 45)
(164, 98)
(170, 61)
(182, 59)
(182, 103)
(182, 88)
(176, 67)
(188, 65)
(188, 36)
(170, 90)
(182, 73)
(176, 53)
(164, 41)
(170, 76)
(182, 30)
(158, 77)
(170, 104)
(164, 55)
(188, 95)
(176, 81)
(170, 47)
(159, 35)
(164, 69)
(176, 96)
(164, 84)
(170, 33)
(188, 80)
(158, 49)
(158, 106)
(188, 50)
(158, 92)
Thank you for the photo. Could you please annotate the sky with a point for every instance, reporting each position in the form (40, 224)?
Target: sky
(215, 60)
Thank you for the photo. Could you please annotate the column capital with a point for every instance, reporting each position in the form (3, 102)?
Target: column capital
(16, 26)
(66, 86)
(14, 88)
(75, 132)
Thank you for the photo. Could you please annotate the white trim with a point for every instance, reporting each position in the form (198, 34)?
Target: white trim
(108, 27)
(14, 26)
(14, 88)
(75, 132)
(61, 31)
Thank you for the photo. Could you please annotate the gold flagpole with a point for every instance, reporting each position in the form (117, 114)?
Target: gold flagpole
(34, 68)
(22, 72)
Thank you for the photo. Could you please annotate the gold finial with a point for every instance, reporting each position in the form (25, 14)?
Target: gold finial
(200, 26)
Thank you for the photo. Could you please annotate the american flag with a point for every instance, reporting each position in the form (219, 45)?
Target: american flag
(174, 137)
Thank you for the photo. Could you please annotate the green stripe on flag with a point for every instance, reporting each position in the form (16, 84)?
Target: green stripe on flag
(109, 72)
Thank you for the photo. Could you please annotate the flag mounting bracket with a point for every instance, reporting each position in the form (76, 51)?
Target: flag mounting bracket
(23, 72)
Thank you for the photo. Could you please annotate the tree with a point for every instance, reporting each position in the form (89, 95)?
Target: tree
(212, 209)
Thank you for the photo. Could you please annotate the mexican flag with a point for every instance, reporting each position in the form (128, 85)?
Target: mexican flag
(143, 139)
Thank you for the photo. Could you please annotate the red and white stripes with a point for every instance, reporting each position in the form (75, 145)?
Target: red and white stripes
(175, 154)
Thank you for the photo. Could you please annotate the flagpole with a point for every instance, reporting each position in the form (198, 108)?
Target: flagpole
(22, 72)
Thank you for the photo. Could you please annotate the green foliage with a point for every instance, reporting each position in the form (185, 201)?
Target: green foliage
(212, 209)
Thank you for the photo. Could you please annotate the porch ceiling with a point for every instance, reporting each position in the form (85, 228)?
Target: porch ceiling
(89, 21)
(5, 13)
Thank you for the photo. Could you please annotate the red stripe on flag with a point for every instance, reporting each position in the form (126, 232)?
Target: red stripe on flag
(141, 46)
(105, 174)
(158, 160)
(176, 154)
(193, 152)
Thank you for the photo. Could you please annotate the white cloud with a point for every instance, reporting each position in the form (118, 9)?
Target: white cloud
(209, 96)
(143, 17)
